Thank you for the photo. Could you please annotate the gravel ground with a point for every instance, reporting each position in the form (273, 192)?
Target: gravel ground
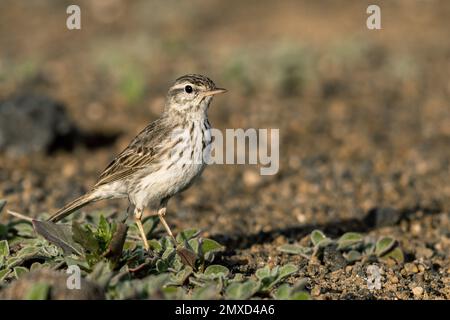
(364, 123)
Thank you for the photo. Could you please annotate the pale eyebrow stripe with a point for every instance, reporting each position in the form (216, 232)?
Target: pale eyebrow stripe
(182, 85)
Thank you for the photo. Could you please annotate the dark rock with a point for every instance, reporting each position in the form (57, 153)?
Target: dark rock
(32, 123)
(382, 217)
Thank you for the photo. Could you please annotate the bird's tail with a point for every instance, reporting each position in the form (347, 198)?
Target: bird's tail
(72, 206)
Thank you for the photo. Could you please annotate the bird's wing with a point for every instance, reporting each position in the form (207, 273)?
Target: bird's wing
(126, 164)
(140, 154)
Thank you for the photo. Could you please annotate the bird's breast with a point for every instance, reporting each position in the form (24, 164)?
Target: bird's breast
(179, 167)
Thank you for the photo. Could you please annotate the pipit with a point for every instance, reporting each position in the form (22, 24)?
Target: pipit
(163, 159)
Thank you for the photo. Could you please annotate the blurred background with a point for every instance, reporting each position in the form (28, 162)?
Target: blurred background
(364, 115)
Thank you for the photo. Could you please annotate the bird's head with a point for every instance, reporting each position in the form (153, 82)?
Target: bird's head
(191, 93)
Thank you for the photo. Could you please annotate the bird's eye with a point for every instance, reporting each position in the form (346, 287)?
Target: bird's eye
(188, 89)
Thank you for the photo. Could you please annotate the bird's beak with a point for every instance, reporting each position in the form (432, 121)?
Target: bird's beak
(214, 92)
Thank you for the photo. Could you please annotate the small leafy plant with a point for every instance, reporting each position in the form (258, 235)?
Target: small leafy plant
(109, 254)
(352, 245)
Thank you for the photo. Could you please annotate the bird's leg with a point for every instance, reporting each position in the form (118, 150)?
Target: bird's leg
(161, 214)
(137, 219)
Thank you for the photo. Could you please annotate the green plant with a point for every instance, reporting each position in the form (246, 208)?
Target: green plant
(110, 254)
(352, 245)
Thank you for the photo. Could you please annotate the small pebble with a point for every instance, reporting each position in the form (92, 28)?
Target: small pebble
(251, 178)
(416, 228)
(421, 268)
(393, 279)
(417, 291)
(411, 268)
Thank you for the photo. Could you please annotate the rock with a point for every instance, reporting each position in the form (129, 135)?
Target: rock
(417, 292)
(382, 217)
(393, 279)
(416, 228)
(31, 123)
(421, 268)
(251, 178)
(411, 268)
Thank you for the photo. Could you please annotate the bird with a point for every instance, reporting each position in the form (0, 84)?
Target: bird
(164, 159)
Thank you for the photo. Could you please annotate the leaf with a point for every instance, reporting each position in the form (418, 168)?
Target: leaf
(324, 243)
(2, 204)
(187, 235)
(3, 231)
(4, 248)
(150, 224)
(81, 263)
(39, 291)
(296, 249)
(84, 237)
(349, 239)
(13, 261)
(209, 245)
(369, 249)
(263, 273)
(182, 275)
(104, 229)
(301, 295)
(241, 291)
(166, 243)
(155, 245)
(188, 257)
(35, 266)
(195, 245)
(384, 245)
(24, 229)
(238, 277)
(266, 277)
(28, 252)
(208, 248)
(396, 254)
(286, 292)
(4, 273)
(274, 271)
(59, 235)
(162, 265)
(208, 292)
(283, 292)
(19, 271)
(317, 236)
(216, 271)
(278, 274)
(287, 270)
(104, 233)
(352, 256)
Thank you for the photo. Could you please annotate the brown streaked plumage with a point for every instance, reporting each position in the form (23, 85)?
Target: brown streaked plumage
(153, 167)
